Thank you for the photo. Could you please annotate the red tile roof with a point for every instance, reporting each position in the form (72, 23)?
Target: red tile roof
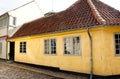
(82, 14)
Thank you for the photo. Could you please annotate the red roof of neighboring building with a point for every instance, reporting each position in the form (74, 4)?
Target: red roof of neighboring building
(82, 14)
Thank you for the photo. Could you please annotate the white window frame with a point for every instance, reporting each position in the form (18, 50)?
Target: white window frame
(49, 47)
(117, 44)
(71, 48)
(23, 47)
(0, 47)
(13, 21)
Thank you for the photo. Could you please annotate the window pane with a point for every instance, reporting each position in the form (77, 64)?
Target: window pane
(50, 46)
(116, 41)
(53, 46)
(20, 43)
(72, 45)
(24, 43)
(22, 47)
(24, 50)
(117, 51)
(76, 46)
(119, 41)
(116, 36)
(118, 46)
(53, 42)
(67, 46)
(46, 47)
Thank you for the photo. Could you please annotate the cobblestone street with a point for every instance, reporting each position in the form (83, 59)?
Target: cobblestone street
(10, 70)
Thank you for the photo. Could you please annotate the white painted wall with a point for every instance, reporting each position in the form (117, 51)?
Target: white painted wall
(3, 53)
(26, 13)
(3, 25)
(3, 32)
(23, 14)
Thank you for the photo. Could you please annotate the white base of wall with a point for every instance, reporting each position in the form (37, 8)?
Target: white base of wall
(4, 48)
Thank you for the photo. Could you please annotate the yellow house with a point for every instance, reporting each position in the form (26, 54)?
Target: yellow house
(84, 38)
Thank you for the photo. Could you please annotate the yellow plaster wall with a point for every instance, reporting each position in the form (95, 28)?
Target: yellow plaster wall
(103, 51)
(111, 60)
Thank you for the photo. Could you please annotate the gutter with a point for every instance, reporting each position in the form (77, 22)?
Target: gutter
(91, 54)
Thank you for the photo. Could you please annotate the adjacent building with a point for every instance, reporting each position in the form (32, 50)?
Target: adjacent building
(84, 38)
(11, 21)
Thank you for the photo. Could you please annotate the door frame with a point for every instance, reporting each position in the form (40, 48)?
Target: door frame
(12, 51)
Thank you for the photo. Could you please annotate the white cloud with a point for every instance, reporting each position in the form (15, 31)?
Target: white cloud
(48, 5)
(6, 5)
(56, 5)
(113, 3)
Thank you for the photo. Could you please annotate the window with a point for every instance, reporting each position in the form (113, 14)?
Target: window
(0, 47)
(50, 46)
(22, 47)
(14, 21)
(72, 46)
(117, 44)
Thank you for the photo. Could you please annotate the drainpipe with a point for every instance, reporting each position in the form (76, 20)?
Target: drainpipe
(91, 54)
(7, 45)
(8, 18)
(6, 48)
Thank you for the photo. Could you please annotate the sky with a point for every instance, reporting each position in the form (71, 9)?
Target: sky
(48, 5)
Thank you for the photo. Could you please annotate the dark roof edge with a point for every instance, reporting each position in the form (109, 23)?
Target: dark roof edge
(6, 13)
(64, 30)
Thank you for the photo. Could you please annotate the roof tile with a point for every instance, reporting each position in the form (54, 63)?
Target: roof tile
(79, 15)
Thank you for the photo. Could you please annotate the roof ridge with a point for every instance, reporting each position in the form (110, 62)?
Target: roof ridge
(96, 13)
